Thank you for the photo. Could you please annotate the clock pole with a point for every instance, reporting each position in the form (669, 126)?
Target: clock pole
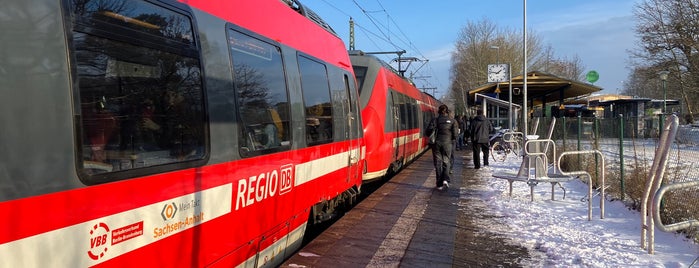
(497, 86)
(509, 110)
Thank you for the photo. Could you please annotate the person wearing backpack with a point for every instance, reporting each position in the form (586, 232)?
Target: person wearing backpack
(446, 133)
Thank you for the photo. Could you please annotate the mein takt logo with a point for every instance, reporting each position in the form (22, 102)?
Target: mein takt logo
(169, 211)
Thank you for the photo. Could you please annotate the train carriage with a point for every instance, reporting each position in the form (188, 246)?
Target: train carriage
(394, 113)
(171, 134)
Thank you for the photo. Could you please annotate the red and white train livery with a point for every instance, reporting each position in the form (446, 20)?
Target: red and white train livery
(148, 133)
(395, 114)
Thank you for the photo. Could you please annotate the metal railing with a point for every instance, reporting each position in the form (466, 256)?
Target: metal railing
(654, 181)
(589, 180)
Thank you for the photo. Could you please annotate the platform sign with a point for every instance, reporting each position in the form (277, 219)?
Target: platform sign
(592, 76)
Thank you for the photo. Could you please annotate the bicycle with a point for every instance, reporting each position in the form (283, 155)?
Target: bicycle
(505, 142)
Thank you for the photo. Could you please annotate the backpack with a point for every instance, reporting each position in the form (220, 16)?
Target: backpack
(433, 135)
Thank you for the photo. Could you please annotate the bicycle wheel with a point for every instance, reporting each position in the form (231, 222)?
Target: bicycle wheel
(498, 151)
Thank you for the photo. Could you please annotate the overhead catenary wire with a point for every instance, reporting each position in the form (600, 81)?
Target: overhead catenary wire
(407, 42)
(397, 38)
(382, 28)
(382, 36)
(407, 39)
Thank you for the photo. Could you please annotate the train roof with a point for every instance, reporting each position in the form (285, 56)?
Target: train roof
(294, 25)
(310, 14)
(359, 53)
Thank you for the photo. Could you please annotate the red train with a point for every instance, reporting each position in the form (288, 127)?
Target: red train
(395, 114)
(171, 134)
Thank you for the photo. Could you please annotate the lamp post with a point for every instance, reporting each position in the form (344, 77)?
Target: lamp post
(663, 77)
(524, 70)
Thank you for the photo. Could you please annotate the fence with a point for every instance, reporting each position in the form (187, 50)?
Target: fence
(629, 145)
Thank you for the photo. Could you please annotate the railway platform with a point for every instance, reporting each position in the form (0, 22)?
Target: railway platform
(407, 222)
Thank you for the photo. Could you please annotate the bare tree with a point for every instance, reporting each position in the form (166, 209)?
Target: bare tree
(475, 50)
(572, 69)
(669, 32)
(642, 82)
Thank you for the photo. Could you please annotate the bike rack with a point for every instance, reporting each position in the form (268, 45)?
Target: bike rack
(537, 165)
(589, 180)
(656, 207)
(675, 226)
(509, 138)
(534, 169)
(652, 193)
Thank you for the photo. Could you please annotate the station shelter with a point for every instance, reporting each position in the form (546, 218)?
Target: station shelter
(543, 92)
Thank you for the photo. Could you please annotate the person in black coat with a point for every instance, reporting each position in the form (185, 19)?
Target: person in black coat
(461, 139)
(480, 138)
(446, 133)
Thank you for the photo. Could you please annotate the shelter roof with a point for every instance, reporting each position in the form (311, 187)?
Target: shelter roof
(540, 87)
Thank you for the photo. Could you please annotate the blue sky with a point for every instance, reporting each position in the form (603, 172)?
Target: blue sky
(599, 32)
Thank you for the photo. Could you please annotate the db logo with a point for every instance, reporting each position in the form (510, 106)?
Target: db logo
(169, 211)
(286, 180)
(98, 241)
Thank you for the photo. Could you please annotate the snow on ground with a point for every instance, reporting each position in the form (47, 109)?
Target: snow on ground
(558, 233)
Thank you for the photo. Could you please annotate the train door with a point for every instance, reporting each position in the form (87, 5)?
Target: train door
(350, 108)
(400, 126)
(411, 147)
(405, 120)
(395, 108)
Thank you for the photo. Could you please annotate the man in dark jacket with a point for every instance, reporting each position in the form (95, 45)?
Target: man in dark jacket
(480, 138)
(447, 131)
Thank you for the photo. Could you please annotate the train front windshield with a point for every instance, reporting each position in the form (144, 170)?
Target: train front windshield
(360, 73)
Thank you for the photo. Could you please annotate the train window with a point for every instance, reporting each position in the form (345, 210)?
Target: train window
(316, 98)
(391, 112)
(413, 113)
(138, 21)
(404, 115)
(360, 74)
(340, 104)
(355, 120)
(262, 95)
(141, 105)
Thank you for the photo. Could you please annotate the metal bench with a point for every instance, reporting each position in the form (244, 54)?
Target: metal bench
(538, 161)
(535, 169)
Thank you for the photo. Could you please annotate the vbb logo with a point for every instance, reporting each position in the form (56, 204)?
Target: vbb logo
(98, 241)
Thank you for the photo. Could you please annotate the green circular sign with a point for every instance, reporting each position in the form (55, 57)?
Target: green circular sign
(592, 76)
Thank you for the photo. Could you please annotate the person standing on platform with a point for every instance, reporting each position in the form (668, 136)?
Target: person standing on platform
(454, 142)
(446, 133)
(461, 140)
(480, 138)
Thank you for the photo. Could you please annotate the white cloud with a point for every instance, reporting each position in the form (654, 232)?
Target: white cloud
(589, 13)
(440, 54)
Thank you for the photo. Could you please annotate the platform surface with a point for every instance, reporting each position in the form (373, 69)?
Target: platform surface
(409, 223)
